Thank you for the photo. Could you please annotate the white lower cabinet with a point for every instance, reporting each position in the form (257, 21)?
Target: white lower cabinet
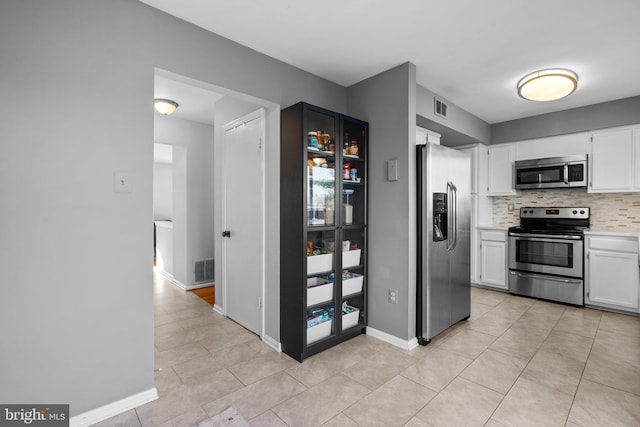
(493, 258)
(612, 272)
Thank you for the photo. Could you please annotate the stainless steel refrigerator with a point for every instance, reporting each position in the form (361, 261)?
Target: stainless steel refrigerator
(444, 222)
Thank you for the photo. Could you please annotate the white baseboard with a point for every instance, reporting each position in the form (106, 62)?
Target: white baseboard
(393, 340)
(218, 309)
(179, 284)
(274, 344)
(112, 409)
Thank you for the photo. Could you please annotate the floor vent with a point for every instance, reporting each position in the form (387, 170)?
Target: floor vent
(440, 108)
(204, 271)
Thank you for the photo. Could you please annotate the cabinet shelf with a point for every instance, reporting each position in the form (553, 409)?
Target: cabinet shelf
(327, 154)
(320, 211)
(350, 296)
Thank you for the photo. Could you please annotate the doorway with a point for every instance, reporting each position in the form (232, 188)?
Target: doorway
(243, 221)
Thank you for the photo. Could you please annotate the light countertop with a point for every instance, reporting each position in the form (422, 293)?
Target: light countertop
(597, 232)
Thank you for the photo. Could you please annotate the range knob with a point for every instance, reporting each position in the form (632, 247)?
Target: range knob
(582, 212)
(575, 212)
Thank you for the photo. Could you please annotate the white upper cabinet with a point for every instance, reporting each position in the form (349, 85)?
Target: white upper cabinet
(612, 161)
(636, 158)
(478, 166)
(500, 169)
(553, 146)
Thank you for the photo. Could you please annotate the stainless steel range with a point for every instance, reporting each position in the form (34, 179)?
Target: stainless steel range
(546, 254)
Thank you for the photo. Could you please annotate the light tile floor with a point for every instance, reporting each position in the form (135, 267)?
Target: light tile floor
(515, 362)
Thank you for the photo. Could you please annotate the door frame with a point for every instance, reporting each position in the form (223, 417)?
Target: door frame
(259, 114)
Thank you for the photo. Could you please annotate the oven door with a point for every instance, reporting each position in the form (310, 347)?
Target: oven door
(560, 255)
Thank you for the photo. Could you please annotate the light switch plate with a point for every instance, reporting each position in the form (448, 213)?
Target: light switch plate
(392, 170)
(121, 182)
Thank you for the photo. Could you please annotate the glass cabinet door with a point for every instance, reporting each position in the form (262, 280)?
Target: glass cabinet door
(321, 285)
(321, 168)
(353, 173)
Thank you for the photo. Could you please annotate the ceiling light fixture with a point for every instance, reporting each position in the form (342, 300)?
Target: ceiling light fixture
(165, 106)
(548, 85)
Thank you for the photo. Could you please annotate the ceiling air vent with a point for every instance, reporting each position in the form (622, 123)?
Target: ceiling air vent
(440, 108)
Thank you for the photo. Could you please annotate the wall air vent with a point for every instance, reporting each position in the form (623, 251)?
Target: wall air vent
(204, 271)
(439, 108)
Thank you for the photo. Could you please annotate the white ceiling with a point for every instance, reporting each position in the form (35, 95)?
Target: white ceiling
(470, 52)
(194, 103)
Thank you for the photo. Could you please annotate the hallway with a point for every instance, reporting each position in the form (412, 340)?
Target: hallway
(516, 362)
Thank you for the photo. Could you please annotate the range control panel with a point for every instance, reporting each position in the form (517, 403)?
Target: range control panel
(538, 212)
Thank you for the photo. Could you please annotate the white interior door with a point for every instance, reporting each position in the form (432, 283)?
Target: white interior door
(243, 222)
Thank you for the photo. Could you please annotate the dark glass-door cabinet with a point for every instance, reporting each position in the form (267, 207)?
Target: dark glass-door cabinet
(323, 230)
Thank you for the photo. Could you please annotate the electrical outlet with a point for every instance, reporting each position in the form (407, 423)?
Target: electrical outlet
(393, 296)
(510, 207)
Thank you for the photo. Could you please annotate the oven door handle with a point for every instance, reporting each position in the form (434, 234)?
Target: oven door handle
(545, 236)
(545, 277)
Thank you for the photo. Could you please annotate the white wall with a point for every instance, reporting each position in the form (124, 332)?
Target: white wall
(162, 191)
(197, 140)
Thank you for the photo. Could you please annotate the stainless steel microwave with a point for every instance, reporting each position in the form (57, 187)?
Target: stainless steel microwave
(552, 172)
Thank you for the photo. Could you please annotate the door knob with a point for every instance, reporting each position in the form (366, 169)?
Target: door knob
(226, 233)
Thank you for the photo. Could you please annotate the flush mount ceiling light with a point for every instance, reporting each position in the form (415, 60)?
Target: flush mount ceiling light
(548, 85)
(165, 106)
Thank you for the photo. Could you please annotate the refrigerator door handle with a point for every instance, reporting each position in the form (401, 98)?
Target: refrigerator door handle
(453, 215)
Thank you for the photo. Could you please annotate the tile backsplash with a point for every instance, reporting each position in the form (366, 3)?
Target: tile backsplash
(609, 211)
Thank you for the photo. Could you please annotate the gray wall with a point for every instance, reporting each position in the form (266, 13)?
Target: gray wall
(77, 83)
(190, 51)
(468, 128)
(387, 102)
(598, 116)
(76, 303)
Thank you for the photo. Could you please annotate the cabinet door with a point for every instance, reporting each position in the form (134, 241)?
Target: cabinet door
(613, 279)
(636, 159)
(473, 153)
(493, 264)
(500, 170)
(611, 161)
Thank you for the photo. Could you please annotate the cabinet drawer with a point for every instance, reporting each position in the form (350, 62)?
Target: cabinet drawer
(496, 236)
(610, 244)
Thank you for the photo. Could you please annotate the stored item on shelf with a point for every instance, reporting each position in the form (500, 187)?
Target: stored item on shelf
(309, 248)
(346, 245)
(351, 283)
(346, 171)
(318, 290)
(319, 263)
(348, 206)
(351, 258)
(319, 331)
(350, 316)
(328, 211)
(319, 134)
(312, 139)
(352, 150)
(353, 174)
(316, 316)
(326, 141)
